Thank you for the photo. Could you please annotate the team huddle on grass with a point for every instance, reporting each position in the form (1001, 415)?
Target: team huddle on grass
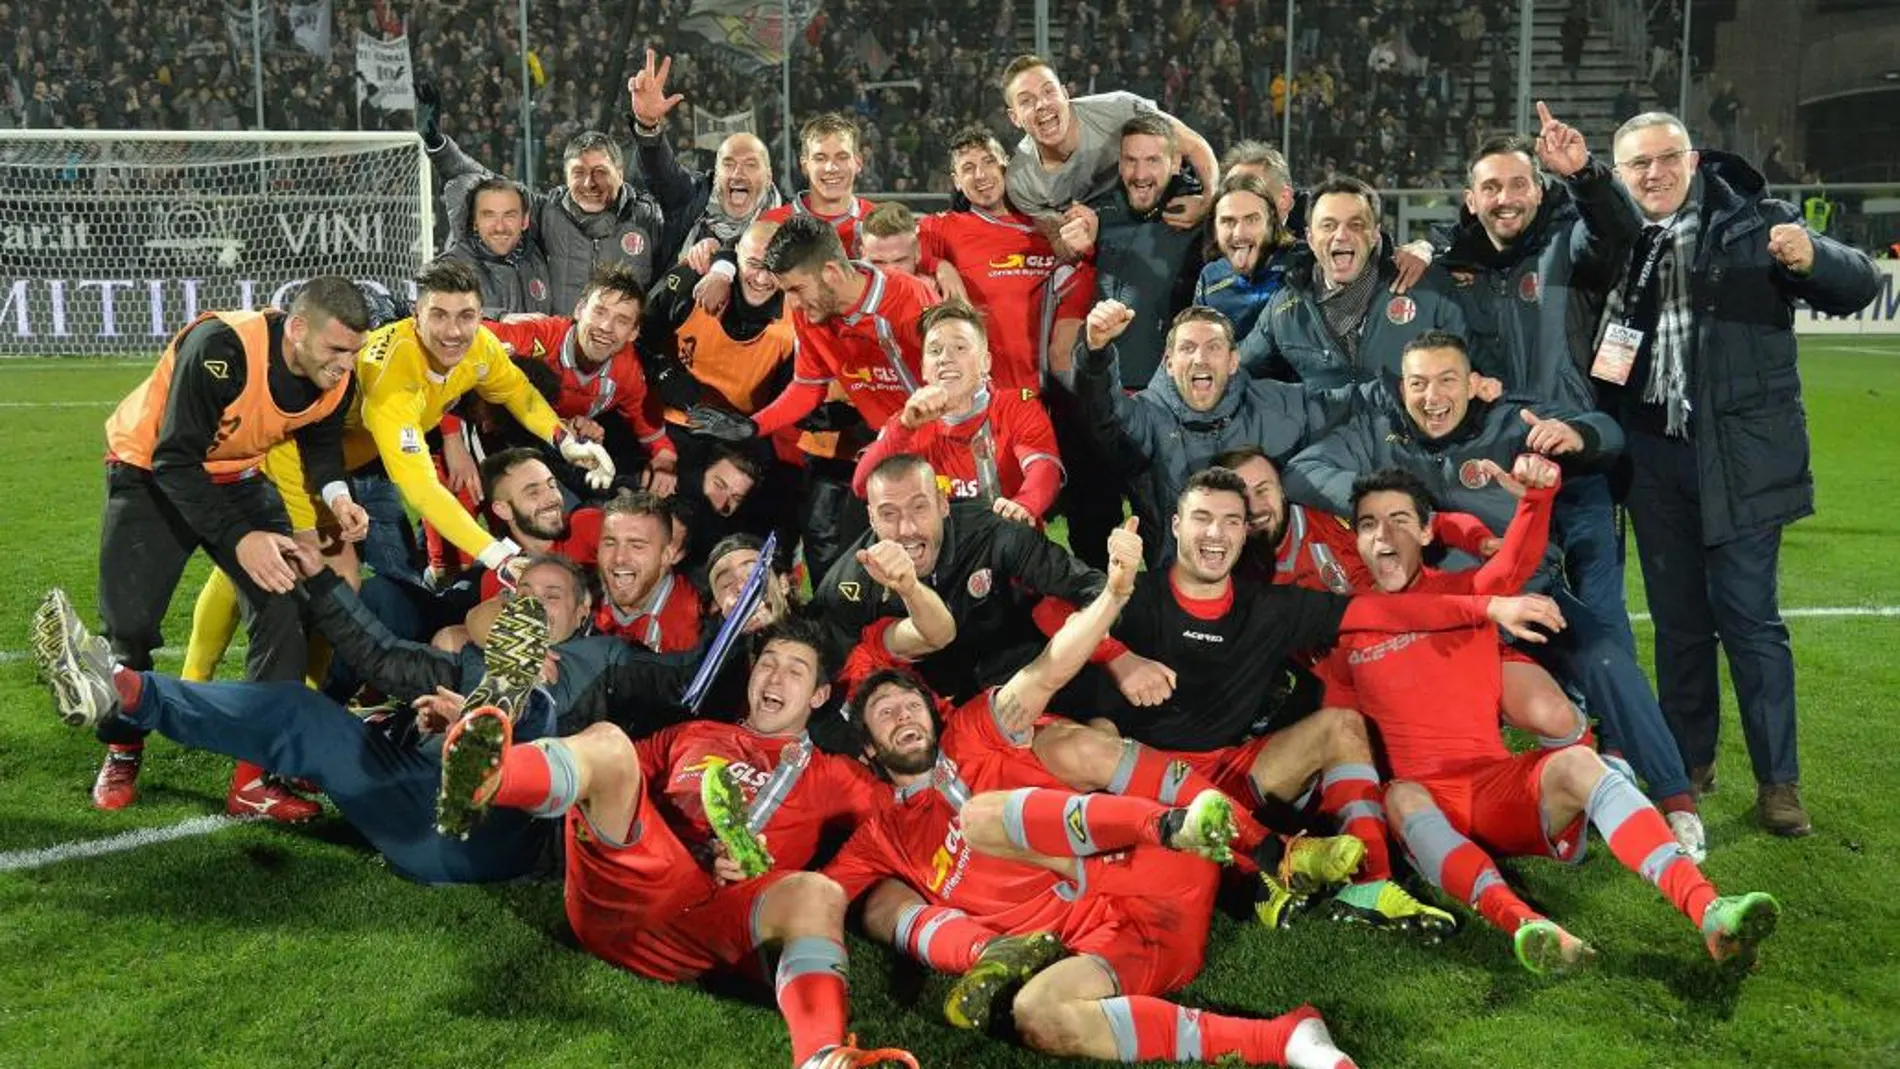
(1369, 527)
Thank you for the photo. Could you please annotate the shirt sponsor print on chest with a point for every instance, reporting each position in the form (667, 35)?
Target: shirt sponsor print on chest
(1401, 310)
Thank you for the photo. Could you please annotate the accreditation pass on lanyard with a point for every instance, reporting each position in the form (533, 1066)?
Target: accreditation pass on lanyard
(1616, 353)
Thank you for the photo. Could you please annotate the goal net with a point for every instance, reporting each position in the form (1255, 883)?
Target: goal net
(112, 240)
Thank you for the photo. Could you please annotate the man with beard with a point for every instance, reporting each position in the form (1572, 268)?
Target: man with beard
(1069, 151)
(987, 569)
(1697, 358)
(643, 600)
(513, 269)
(1149, 265)
(182, 450)
(993, 446)
(1250, 233)
(1437, 429)
(595, 217)
(705, 211)
(1097, 901)
(857, 329)
(668, 870)
(1198, 408)
(523, 493)
(602, 384)
(1335, 321)
(1528, 264)
(1458, 795)
(995, 257)
(1220, 647)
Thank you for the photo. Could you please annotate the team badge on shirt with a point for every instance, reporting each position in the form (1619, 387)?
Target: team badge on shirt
(979, 584)
(411, 440)
(1529, 288)
(1472, 474)
(537, 289)
(633, 243)
(1401, 310)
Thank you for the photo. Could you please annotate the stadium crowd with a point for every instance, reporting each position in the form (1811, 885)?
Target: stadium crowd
(1335, 513)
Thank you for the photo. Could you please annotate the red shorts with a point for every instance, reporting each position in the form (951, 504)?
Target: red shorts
(647, 906)
(1144, 914)
(1496, 805)
(1230, 768)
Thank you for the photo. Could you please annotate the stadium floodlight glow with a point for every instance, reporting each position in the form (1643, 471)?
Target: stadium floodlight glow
(111, 240)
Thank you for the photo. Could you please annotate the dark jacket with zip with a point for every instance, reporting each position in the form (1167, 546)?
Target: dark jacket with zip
(1292, 341)
(515, 283)
(1531, 308)
(1747, 419)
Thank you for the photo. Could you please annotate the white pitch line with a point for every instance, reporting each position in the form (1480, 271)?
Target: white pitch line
(1805, 614)
(22, 860)
(1867, 349)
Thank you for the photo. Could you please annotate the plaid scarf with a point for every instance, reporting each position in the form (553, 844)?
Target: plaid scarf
(1672, 331)
(1344, 309)
(715, 223)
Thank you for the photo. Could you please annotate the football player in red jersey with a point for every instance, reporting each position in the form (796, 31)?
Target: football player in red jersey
(828, 154)
(668, 874)
(524, 495)
(994, 256)
(1458, 795)
(1009, 871)
(600, 374)
(989, 442)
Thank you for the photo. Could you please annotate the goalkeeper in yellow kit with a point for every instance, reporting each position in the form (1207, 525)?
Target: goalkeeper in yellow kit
(408, 374)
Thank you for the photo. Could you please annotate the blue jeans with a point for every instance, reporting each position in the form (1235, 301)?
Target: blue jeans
(1595, 655)
(385, 788)
(390, 548)
(1583, 524)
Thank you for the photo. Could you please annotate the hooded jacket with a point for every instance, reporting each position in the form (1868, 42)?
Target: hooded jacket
(1747, 419)
(1292, 340)
(1531, 308)
(1178, 441)
(627, 231)
(517, 282)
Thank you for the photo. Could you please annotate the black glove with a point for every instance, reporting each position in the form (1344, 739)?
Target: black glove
(832, 416)
(677, 386)
(428, 110)
(721, 424)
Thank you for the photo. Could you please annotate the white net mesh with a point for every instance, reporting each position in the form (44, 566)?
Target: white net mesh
(109, 244)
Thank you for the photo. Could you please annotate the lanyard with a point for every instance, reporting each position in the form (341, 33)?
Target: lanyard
(1639, 280)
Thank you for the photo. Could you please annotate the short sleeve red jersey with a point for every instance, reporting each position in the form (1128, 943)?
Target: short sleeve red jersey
(617, 385)
(872, 349)
(1320, 552)
(794, 793)
(1011, 272)
(667, 623)
(996, 445)
(845, 223)
(919, 840)
(581, 544)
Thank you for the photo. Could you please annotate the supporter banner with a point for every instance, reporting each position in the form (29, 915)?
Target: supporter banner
(383, 73)
(1880, 317)
(240, 24)
(755, 30)
(710, 130)
(310, 27)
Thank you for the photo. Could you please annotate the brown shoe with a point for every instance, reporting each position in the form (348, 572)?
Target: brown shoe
(1702, 780)
(1778, 807)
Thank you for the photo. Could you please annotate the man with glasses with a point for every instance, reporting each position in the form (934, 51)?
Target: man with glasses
(1707, 390)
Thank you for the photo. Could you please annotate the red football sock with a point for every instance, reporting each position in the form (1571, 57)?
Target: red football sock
(813, 995)
(1351, 794)
(1060, 824)
(1640, 838)
(526, 779)
(1163, 1031)
(942, 938)
(1469, 869)
(131, 688)
(1149, 773)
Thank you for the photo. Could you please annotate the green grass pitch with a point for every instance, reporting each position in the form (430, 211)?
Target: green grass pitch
(258, 946)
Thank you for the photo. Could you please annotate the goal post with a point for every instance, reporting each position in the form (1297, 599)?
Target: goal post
(111, 240)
